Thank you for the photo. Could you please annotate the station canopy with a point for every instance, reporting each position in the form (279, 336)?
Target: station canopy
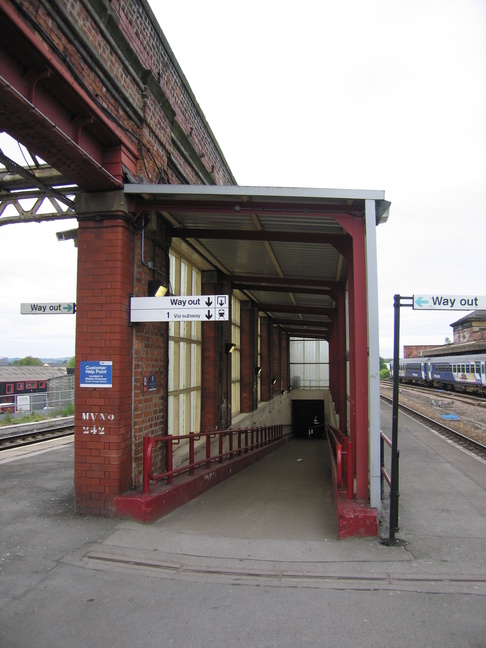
(281, 247)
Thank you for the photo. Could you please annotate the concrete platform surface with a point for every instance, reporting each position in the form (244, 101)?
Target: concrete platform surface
(253, 562)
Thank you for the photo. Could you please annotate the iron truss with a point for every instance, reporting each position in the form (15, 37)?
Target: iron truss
(34, 193)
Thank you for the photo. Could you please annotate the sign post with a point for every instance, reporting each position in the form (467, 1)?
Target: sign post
(417, 302)
(394, 491)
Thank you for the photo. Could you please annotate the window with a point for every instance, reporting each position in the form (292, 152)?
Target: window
(31, 385)
(184, 354)
(42, 384)
(309, 363)
(9, 388)
(20, 387)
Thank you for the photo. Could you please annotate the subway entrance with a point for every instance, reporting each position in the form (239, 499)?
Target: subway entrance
(308, 420)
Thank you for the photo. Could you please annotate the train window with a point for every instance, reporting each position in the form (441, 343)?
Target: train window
(31, 385)
(20, 386)
(9, 388)
(478, 368)
(463, 368)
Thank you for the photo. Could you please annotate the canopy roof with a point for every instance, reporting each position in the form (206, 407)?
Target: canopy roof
(278, 246)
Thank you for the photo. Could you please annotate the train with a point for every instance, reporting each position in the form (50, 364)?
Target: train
(464, 373)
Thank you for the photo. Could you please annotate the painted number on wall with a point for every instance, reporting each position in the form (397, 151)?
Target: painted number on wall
(96, 422)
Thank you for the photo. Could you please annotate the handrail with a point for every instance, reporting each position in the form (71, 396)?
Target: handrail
(247, 440)
(343, 457)
(384, 473)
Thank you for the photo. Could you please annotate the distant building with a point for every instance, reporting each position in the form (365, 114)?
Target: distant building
(417, 350)
(469, 335)
(3, 362)
(471, 328)
(25, 387)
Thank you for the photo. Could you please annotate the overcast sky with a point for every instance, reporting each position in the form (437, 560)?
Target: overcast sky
(354, 94)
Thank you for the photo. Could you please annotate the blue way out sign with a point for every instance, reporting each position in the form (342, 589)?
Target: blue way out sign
(449, 302)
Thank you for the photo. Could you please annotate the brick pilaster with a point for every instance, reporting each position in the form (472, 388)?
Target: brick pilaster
(216, 363)
(266, 348)
(103, 415)
(249, 357)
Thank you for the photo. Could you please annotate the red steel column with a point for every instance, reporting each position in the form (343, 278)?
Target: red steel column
(361, 361)
(358, 350)
(339, 343)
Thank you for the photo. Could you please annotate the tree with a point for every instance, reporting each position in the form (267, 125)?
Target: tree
(28, 361)
(72, 363)
(384, 371)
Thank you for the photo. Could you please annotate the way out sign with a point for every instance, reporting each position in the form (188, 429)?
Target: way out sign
(56, 308)
(449, 302)
(180, 308)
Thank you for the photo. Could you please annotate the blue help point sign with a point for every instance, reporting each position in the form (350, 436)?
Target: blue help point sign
(96, 373)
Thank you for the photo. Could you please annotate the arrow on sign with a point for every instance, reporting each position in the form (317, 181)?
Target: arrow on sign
(209, 315)
(68, 308)
(208, 302)
(420, 302)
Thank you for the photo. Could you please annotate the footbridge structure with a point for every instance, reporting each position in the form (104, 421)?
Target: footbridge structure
(94, 92)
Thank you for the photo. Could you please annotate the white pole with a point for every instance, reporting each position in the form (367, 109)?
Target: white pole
(373, 354)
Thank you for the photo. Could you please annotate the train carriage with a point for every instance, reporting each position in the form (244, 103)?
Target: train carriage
(465, 373)
(413, 370)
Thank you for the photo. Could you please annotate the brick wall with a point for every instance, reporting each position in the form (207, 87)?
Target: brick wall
(136, 116)
(103, 434)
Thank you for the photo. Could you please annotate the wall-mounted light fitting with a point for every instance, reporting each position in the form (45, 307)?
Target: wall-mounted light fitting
(258, 371)
(229, 347)
(157, 288)
(274, 381)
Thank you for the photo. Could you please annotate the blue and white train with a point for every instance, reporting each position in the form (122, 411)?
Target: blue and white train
(466, 373)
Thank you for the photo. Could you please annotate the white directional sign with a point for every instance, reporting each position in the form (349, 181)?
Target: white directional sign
(449, 302)
(180, 308)
(56, 308)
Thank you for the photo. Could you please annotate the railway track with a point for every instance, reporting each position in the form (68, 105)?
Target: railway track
(468, 399)
(15, 436)
(459, 438)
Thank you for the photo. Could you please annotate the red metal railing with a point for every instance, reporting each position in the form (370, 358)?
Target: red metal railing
(230, 443)
(342, 453)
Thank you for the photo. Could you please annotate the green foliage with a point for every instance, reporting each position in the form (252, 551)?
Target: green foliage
(28, 361)
(68, 410)
(72, 363)
(384, 371)
(8, 419)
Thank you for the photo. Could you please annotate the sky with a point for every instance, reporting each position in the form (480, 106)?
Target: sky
(376, 94)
